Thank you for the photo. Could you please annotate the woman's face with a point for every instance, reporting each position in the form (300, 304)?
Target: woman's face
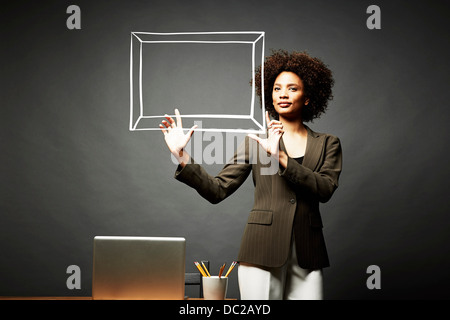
(288, 96)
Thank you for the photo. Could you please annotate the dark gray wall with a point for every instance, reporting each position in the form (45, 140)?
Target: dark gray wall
(70, 169)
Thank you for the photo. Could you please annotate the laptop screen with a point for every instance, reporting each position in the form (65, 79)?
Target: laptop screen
(138, 268)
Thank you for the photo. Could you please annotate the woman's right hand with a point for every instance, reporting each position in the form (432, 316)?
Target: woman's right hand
(175, 139)
(272, 142)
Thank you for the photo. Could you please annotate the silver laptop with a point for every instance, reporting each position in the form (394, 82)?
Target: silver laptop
(138, 268)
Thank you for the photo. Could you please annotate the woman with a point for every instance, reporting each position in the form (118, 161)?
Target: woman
(282, 251)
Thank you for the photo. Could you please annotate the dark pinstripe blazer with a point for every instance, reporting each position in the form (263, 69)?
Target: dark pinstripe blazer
(285, 203)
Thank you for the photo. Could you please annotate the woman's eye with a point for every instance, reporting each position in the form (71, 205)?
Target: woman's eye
(276, 89)
(293, 89)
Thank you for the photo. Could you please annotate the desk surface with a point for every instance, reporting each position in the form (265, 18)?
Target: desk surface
(45, 298)
(69, 298)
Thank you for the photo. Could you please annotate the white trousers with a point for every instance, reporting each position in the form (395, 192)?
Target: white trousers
(289, 282)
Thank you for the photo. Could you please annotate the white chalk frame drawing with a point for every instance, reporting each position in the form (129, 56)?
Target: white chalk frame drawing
(144, 117)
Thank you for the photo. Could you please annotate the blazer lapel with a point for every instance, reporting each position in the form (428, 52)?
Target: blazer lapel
(314, 144)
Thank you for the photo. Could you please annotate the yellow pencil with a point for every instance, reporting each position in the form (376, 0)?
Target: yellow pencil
(206, 269)
(221, 270)
(231, 268)
(200, 268)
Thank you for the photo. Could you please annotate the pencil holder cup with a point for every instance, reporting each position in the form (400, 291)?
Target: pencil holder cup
(215, 288)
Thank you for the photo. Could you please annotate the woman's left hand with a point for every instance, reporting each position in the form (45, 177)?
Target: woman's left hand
(272, 142)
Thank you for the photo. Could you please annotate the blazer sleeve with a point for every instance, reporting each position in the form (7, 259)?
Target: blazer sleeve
(322, 181)
(217, 188)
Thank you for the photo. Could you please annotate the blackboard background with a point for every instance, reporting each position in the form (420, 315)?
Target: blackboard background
(71, 169)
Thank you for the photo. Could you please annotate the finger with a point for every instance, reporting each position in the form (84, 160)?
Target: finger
(272, 123)
(162, 129)
(171, 121)
(278, 129)
(275, 130)
(254, 137)
(276, 125)
(166, 124)
(267, 117)
(278, 132)
(178, 116)
(192, 130)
